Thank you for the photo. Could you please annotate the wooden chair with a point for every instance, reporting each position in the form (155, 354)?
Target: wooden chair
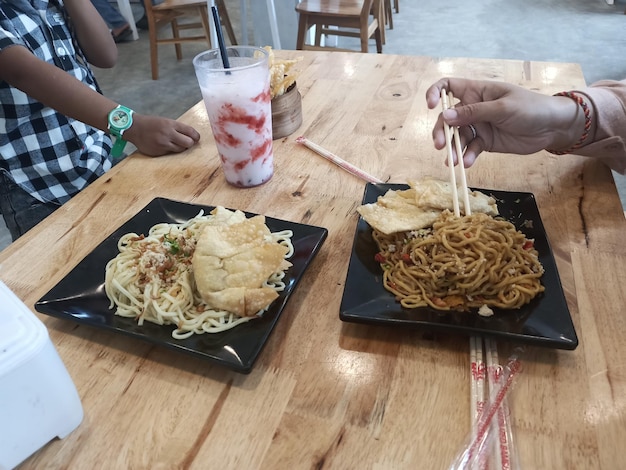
(169, 13)
(389, 13)
(353, 18)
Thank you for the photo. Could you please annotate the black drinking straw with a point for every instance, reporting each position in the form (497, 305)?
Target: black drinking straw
(220, 38)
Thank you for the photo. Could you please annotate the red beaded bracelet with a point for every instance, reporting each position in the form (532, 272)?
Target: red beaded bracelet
(581, 102)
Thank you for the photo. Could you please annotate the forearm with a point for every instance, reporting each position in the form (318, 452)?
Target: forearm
(92, 33)
(608, 141)
(609, 97)
(54, 87)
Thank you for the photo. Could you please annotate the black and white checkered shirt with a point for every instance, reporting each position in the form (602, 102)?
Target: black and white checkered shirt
(49, 155)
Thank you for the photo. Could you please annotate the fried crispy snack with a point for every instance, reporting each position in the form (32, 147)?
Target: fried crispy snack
(231, 262)
(419, 206)
(281, 74)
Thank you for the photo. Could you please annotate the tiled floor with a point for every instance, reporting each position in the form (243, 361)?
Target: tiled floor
(589, 32)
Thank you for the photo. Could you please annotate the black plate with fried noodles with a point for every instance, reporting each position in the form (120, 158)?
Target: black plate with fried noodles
(545, 321)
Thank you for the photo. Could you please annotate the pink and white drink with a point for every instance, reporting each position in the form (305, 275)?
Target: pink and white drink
(238, 104)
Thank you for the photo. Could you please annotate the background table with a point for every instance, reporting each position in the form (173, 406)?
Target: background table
(325, 393)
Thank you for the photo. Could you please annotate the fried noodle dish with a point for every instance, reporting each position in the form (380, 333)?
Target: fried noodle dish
(460, 263)
(454, 263)
(206, 275)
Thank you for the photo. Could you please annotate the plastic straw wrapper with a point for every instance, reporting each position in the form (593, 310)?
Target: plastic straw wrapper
(344, 165)
(504, 455)
(476, 450)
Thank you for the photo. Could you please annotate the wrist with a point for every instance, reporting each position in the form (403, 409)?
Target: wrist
(120, 121)
(573, 123)
(132, 132)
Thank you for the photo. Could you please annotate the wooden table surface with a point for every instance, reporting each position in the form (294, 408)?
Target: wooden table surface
(323, 393)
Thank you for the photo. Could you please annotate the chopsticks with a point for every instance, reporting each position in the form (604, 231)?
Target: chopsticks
(486, 379)
(450, 133)
(478, 449)
(477, 371)
(478, 354)
(344, 165)
(503, 445)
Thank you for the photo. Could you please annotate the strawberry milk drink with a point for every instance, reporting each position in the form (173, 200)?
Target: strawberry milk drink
(238, 104)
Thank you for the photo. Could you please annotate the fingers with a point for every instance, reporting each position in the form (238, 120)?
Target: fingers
(433, 94)
(472, 144)
(187, 131)
(470, 140)
(171, 137)
(473, 149)
(176, 143)
(439, 138)
(461, 88)
(184, 138)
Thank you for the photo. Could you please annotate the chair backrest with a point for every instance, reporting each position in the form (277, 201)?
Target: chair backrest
(168, 12)
(345, 16)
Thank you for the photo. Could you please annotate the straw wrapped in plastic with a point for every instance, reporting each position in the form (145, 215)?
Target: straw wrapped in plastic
(479, 444)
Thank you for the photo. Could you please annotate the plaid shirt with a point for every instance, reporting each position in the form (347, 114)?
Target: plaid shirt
(49, 155)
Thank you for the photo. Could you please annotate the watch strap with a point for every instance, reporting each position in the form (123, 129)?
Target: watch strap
(118, 147)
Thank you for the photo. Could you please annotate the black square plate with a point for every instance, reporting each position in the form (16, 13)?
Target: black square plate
(80, 295)
(545, 321)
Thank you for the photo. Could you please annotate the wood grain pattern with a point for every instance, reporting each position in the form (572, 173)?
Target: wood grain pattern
(325, 394)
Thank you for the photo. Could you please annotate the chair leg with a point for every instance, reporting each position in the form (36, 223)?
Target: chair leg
(379, 40)
(302, 30)
(364, 35)
(176, 34)
(221, 8)
(379, 14)
(204, 15)
(318, 34)
(154, 52)
(388, 14)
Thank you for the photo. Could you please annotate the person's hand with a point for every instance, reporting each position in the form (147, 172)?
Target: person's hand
(155, 136)
(506, 118)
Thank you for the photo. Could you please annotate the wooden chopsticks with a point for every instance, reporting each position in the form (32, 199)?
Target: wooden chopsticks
(453, 133)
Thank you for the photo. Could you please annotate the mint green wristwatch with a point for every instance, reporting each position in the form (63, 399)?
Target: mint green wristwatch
(120, 119)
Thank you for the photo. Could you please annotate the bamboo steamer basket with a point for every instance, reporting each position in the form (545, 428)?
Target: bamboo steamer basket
(286, 113)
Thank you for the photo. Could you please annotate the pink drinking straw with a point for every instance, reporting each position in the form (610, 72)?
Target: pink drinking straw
(338, 161)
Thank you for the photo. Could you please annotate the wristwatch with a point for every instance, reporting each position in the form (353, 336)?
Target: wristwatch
(120, 119)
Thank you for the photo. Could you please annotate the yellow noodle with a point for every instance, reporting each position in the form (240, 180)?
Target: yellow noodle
(462, 263)
(136, 289)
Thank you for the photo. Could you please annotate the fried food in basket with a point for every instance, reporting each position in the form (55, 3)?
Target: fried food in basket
(281, 74)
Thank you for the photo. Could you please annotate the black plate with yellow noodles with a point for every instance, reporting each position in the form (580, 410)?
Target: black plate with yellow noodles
(80, 295)
(545, 321)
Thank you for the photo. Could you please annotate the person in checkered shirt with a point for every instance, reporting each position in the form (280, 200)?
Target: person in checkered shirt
(53, 117)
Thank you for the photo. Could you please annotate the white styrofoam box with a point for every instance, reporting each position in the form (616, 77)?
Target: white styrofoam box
(38, 399)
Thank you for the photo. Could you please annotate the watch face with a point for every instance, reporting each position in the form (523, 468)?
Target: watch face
(120, 118)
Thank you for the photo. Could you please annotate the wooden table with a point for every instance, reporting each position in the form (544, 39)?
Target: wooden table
(327, 394)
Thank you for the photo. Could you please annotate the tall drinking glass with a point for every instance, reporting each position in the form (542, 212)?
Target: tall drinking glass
(238, 104)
